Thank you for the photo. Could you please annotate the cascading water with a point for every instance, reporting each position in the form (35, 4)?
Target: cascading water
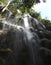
(26, 23)
(26, 19)
(24, 45)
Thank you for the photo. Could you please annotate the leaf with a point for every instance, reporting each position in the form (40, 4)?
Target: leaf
(4, 1)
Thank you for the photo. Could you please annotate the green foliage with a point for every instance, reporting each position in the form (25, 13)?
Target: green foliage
(28, 3)
(31, 11)
(23, 5)
(39, 18)
(3, 2)
(37, 1)
(36, 15)
(47, 23)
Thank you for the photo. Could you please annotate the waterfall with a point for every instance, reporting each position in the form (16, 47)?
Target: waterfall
(26, 23)
(26, 19)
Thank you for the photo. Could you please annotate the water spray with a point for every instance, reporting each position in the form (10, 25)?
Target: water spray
(26, 19)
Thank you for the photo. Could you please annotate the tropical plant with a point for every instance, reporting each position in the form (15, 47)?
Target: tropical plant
(14, 5)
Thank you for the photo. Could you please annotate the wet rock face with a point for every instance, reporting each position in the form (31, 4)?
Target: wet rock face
(24, 52)
(45, 43)
(26, 45)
